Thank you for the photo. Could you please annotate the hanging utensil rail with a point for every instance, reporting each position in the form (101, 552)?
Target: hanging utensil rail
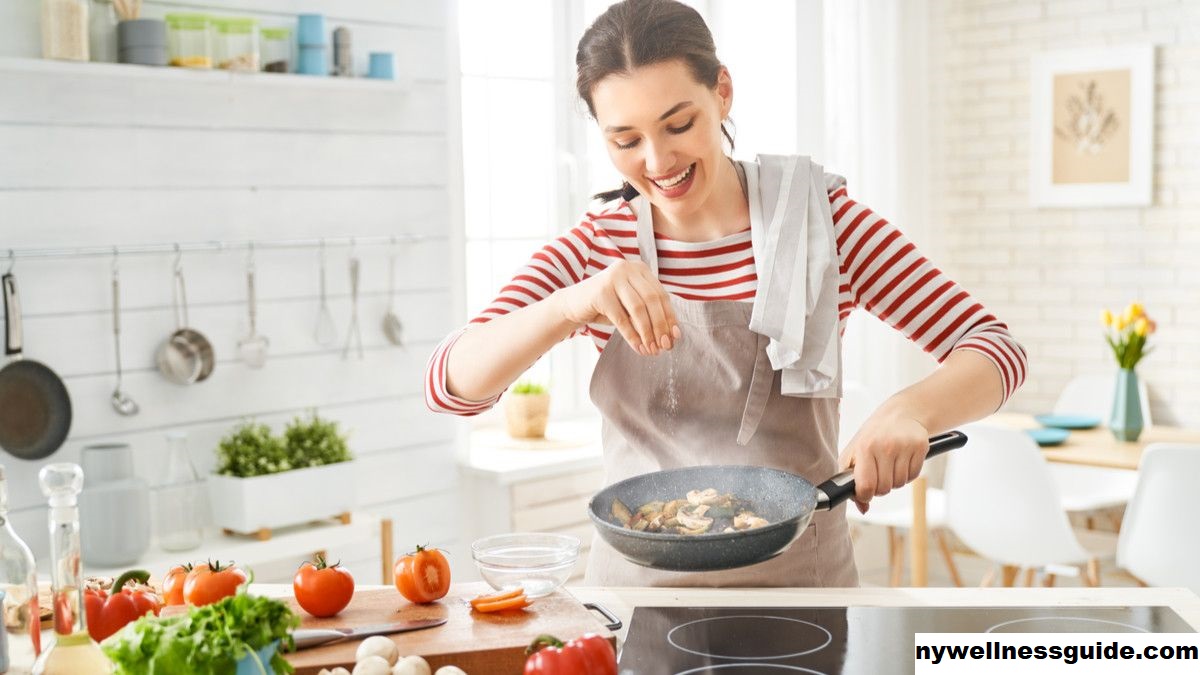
(12, 254)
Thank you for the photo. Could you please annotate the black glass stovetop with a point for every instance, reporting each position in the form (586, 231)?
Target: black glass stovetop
(843, 640)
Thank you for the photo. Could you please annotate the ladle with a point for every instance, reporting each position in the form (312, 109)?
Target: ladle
(121, 401)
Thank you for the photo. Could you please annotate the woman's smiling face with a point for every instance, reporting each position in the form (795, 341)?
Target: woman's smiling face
(662, 129)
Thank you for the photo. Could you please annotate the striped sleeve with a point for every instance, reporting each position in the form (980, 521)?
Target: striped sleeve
(884, 273)
(558, 264)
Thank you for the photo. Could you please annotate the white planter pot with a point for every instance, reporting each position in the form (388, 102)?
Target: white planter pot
(282, 499)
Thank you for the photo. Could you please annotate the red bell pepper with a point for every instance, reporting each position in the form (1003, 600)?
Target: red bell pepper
(108, 613)
(590, 654)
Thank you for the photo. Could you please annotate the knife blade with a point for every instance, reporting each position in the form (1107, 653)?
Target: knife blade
(312, 637)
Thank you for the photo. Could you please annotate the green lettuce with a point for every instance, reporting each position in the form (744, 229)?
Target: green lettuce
(207, 640)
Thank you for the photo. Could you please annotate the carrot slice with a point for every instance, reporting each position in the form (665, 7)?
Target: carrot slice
(498, 596)
(519, 602)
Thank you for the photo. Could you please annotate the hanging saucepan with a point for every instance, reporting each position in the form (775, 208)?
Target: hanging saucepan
(785, 500)
(186, 356)
(35, 409)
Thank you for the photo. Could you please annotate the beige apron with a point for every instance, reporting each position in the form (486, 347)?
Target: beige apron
(688, 407)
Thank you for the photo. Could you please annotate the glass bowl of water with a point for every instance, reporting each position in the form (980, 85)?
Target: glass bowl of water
(537, 562)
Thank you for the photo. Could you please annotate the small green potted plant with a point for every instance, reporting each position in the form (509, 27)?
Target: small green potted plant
(264, 481)
(527, 409)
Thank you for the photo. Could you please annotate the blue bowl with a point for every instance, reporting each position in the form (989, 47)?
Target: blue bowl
(1048, 436)
(1068, 421)
(247, 666)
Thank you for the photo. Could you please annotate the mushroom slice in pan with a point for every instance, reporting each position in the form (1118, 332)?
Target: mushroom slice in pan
(747, 520)
(709, 496)
(621, 512)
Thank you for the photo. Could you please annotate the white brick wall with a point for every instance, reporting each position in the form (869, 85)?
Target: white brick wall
(1049, 272)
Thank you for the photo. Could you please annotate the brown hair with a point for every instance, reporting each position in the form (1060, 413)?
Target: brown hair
(636, 33)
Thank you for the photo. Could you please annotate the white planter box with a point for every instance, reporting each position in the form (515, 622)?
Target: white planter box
(281, 499)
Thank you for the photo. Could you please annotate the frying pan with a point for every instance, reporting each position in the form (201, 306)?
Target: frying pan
(786, 500)
(35, 409)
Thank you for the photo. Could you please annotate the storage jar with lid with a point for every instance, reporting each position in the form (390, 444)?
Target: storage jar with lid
(235, 44)
(188, 40)
(277, 50)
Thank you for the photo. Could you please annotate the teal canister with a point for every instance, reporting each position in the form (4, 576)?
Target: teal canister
(114, 507)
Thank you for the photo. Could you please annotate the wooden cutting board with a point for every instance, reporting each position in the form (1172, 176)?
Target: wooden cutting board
(480, 644)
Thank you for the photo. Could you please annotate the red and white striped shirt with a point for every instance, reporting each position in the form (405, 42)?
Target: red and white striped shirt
(880, 271)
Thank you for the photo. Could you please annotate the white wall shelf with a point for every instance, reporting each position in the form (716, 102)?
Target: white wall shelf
(294, 543)
(199, 75)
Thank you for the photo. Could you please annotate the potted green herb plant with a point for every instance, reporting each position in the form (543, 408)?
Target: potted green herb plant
(263, 481)
(527, 409)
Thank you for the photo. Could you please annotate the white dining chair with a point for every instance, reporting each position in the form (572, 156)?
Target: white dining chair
(1092, 394)
(894, 511)
(1156, 544)
(1090, 490)
(1002, 503)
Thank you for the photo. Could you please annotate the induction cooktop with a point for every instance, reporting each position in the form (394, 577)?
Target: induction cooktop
(843, 640)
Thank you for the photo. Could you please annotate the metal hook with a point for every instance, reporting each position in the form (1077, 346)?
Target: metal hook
(115, 265)
(12, 260)
(178, 258)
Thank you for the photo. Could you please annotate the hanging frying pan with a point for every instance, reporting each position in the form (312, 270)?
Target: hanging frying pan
(786, 500)
(35, 409)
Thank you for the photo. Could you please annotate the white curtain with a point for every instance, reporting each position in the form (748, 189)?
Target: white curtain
(874, 74)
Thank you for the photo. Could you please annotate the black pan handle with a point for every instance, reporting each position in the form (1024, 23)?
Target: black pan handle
(613, 622)
(841, 487)
(12, 316)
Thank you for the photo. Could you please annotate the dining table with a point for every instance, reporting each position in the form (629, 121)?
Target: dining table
(1089, 447)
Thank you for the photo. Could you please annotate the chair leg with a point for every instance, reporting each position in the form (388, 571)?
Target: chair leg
(895, 556)
(1091, 576)
(1116, 518)
(988, 578)
(1008, 575)
(1048, 580)
(948, 556)
(1028, 577)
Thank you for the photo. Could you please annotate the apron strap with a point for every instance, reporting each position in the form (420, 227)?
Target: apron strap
(760, 391)
(647, 249)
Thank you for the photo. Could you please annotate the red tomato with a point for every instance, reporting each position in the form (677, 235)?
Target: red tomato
(209, 582)
(173, 584)
(587, 655)
(423, 575)
(323, 590)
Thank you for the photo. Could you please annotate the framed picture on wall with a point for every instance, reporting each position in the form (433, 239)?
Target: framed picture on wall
(1092, 126)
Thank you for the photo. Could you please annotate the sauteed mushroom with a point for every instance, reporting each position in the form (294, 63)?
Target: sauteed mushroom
(701, 512)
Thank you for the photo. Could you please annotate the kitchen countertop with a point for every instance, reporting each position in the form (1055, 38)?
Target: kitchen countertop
(569, 445)
(621, 601)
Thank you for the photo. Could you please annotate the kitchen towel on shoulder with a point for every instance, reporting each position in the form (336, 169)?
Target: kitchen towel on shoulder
(791, 231)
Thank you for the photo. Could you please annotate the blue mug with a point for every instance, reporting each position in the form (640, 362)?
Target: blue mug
(312, 60)
(382, 66)
(311, 30)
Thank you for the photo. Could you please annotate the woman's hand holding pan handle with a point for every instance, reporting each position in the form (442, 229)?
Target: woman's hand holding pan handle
(887, 453)
(629, 297)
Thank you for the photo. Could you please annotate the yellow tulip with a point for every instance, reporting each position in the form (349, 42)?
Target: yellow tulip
(1121, 322)
(1106, 318)
(1141, 326)
(1136, 310)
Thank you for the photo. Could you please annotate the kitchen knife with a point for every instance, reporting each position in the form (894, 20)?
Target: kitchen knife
(311, 637)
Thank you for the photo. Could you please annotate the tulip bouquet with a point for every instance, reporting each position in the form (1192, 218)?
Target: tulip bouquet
(1126, 334)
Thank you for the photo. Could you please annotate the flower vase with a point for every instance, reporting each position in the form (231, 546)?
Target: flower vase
(1126, 418)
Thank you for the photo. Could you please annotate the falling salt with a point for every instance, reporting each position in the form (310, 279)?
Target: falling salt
(672, 396)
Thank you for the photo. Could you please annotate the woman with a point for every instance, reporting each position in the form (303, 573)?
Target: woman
(717, 292)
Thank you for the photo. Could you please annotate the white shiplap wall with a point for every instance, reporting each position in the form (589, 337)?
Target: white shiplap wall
(117, 155)
(1048, 272)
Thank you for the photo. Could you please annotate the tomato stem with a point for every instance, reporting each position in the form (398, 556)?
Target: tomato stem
(541, 642)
